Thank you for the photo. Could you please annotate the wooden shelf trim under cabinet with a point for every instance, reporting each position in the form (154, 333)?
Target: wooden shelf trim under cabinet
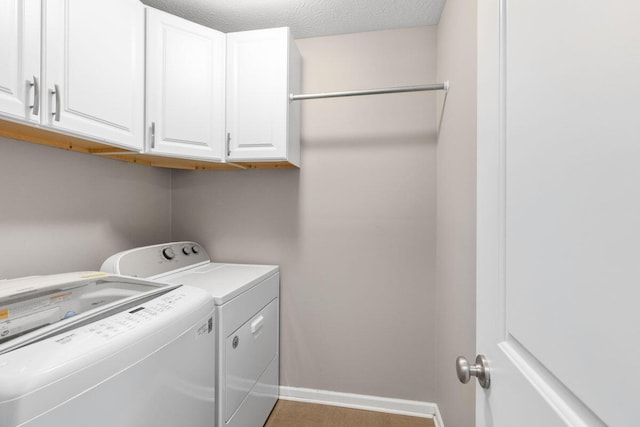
(42, 136)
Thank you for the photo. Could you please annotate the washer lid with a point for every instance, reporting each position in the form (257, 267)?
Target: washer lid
(223, 281)
(35, 307)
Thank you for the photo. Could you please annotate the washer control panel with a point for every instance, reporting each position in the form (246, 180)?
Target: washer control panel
(150, 261)
(116, 325)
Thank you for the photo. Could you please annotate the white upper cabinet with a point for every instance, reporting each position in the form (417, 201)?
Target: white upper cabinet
(77, 67)
(263, 68)
(185, 88)
(20, 81)
(94, 69)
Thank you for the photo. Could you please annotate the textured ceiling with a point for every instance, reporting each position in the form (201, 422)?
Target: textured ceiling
(307, 18)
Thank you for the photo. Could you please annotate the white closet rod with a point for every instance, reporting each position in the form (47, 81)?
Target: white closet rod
(438, 86)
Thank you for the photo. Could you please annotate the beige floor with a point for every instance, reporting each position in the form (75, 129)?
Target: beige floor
(295, 414)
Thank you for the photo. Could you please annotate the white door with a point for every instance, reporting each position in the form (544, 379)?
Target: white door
(257, 94)
(559, 212)
(20, 58)
(185, 87)
(94, 56)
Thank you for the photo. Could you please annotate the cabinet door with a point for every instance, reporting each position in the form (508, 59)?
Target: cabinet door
(94, 69)
(257, 94)
(185, 87)
(20, 59)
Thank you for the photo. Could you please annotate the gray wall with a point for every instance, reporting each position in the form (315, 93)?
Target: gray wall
(353, 230)
(65, 211)
(456, 207)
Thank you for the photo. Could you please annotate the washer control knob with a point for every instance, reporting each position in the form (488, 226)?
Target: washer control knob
(195, 249)
(168, 253)
(186, 251)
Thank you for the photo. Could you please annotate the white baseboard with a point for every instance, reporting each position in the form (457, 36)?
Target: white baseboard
(359, 401)
(437, 418)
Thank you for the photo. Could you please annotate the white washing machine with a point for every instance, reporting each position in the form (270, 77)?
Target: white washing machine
(93, 349)
(247, 322)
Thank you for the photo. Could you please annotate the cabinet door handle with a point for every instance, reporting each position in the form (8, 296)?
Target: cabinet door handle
(228, 144)
(56, 93)
(35, 108)
(153, 134)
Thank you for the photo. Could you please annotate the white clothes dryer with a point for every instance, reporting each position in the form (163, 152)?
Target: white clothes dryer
(247, 322)
(93, 349)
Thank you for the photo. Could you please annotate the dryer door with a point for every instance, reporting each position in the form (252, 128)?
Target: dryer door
(249, 350)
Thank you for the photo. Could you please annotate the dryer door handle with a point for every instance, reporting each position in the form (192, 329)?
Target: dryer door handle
(257, 324)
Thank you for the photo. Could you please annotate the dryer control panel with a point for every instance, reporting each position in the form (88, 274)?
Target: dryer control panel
(155, 260)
